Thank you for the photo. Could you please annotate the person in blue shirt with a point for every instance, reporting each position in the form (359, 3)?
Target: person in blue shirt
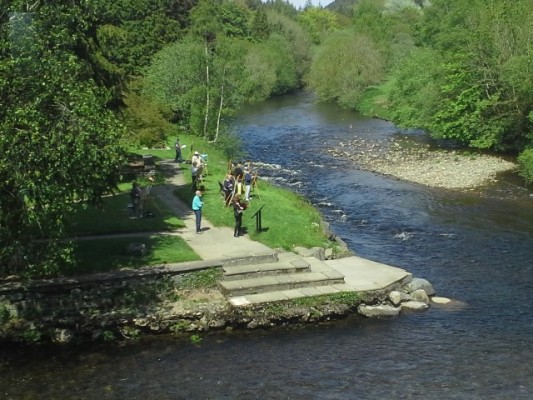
(197, 205)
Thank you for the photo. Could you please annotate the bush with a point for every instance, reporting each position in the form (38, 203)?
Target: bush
(525, 160)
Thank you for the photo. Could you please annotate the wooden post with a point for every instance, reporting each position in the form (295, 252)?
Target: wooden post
(257, 215)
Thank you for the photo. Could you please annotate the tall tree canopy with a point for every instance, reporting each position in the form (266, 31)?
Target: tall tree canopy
(58, 142)
(480, 92)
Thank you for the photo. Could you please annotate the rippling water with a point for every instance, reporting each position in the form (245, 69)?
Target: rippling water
(475, 247)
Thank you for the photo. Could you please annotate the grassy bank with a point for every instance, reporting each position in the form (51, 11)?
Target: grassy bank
(288, 220)
(374, 102)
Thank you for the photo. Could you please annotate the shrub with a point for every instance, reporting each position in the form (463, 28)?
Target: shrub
(525, 160)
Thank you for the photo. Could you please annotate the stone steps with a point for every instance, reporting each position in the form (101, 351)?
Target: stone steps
(239, 272)
(291, 276)
(284, 295)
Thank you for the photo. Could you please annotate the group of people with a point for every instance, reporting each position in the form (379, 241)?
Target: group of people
(237, 182)
(236, 188)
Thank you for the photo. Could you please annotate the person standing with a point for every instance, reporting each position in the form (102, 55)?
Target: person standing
(136, 199)
(178, 151)
(247, 184)
(238, 209)
(228, 186)
(197, 165)
(197, 205)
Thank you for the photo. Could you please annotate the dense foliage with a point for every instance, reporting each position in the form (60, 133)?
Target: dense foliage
(232, 55)
(77, 77)
(58, 142)
(459, 69)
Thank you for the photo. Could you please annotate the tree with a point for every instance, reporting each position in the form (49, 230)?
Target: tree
(344, 66)
(175, 80)
(59, 144)
(481, 88)
(317, 22)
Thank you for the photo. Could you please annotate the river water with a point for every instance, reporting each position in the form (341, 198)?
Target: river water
(475, 247)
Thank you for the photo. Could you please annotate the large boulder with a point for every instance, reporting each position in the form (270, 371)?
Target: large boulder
(381, 310)
(419, 283)
(396, 297)
(420, 295)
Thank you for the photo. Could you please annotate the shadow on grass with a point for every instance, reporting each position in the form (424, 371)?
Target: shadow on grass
(120, 252)
(114, 216)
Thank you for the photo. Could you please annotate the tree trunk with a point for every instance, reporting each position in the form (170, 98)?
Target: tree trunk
(220, 107)
(207, 90)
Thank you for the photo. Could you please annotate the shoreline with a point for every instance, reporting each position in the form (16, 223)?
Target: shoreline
(418, 163)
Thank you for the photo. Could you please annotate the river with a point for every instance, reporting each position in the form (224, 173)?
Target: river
(475, 247)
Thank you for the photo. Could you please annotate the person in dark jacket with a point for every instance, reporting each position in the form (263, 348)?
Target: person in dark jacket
(238, 209)
(136, 195)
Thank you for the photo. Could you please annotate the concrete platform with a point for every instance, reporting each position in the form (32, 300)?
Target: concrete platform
(366, 275)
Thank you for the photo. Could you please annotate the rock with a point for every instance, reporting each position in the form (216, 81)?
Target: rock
(317, 252)
(63, 336)
(419, 283)
(382, 310)
(397, 297)
(420, 295)
(328, 253)
(440, 300)
(414, 306)
(136, 249)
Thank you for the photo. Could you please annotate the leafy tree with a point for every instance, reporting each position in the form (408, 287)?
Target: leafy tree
(481, 91)
(282, 7)
(260, 27)
(175, 80)
(415, 94)
(129, 32)
(525, 160)
(58, 143)
(317, 22)
(298, 40)
(344, 66)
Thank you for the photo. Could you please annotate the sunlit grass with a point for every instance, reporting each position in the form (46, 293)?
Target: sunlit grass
(288, 220)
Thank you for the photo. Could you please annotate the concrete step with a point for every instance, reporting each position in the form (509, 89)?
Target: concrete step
(284, 295)
(263, 284)
(253, 258)
(235, 272)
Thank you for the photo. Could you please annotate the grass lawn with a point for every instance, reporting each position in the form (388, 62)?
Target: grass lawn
(375, 101)
(112, 253)
(101, 255)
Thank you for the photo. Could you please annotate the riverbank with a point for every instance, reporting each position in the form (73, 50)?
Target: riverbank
(422, 163)
(191, 299)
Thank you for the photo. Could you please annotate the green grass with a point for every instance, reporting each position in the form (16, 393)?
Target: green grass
(287, 219)
(113, 217)
(374, 101)
(112, 253)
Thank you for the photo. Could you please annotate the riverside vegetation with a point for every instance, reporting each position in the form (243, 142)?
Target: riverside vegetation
(119, 306)
(84, 82)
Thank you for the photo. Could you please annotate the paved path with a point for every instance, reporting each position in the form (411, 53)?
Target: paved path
(214, 242)
(217, 243)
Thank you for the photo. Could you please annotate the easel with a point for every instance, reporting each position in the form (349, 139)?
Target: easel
(254, 186)
(146, 196)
